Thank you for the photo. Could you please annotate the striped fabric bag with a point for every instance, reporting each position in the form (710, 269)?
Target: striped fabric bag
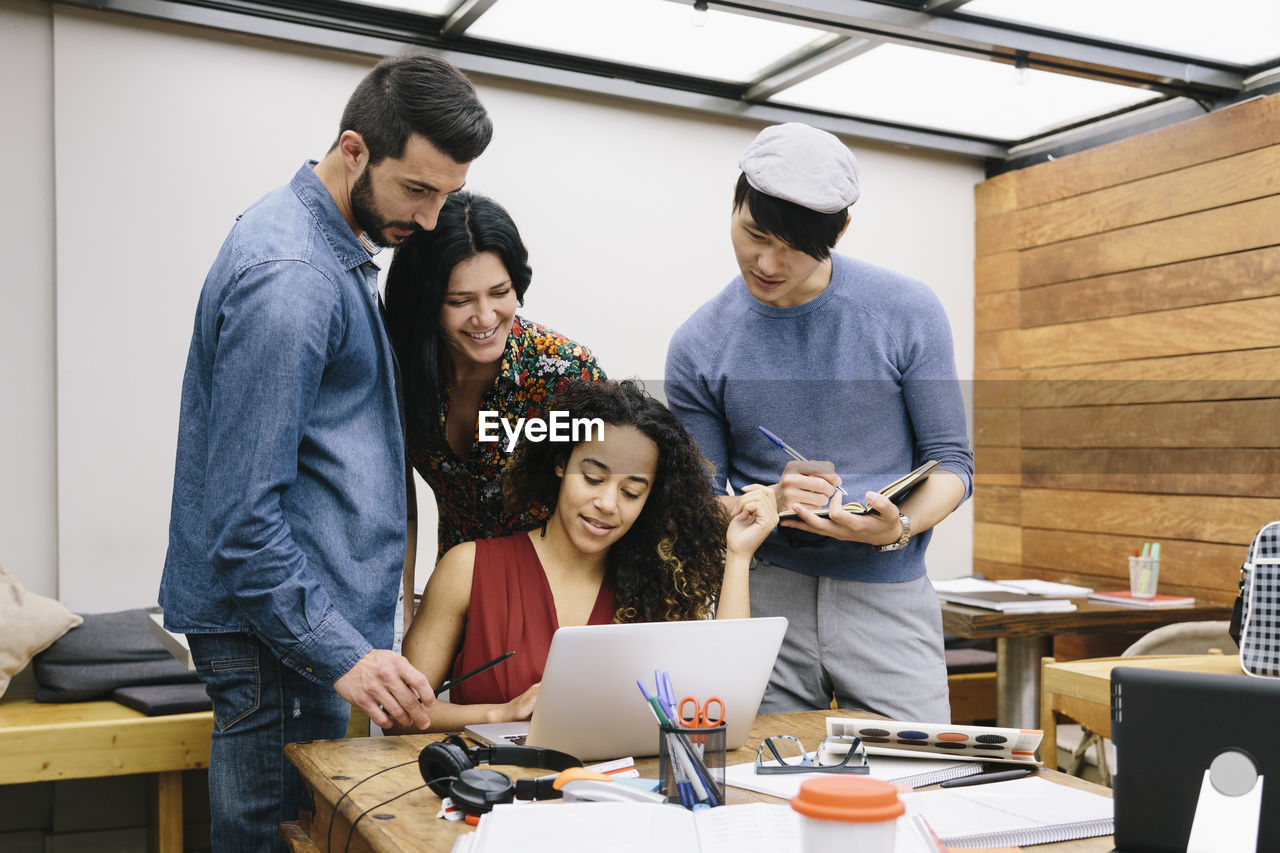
(1259, 605)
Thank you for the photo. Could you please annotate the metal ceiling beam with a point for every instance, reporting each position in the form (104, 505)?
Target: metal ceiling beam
(1060, 52)
(942, 7)
(466, 13)
(820, 55)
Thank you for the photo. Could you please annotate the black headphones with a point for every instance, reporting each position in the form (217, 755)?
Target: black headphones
(449, 769)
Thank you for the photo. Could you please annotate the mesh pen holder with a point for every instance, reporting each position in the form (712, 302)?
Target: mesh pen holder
(691, 765)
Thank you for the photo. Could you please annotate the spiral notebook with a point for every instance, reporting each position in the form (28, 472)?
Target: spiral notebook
(1022, 812)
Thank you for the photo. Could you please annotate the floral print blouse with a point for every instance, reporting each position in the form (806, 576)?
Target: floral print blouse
(536, 363)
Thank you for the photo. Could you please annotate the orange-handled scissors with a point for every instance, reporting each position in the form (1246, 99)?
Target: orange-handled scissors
(706, 715)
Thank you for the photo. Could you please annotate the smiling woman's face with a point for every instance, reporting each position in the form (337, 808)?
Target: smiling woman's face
(478, 309)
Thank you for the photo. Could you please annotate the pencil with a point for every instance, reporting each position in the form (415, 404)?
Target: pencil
(461, 678)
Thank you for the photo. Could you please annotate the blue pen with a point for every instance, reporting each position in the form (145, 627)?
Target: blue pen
(791, 451)
(670, 696)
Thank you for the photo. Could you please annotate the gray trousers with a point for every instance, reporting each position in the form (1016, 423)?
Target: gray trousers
(874, 646)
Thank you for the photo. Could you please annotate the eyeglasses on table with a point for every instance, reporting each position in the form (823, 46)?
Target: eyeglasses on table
(835, 754)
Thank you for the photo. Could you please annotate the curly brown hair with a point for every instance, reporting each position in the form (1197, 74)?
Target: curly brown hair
(670, 564)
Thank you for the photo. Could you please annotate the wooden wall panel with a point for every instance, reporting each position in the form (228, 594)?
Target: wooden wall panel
(997, 427)
(1217, 423)
(1244, 177)
(1243, 127)
(1248, 225)
(1241, 275)
(1249, 324)
(1128, 389)
(1179, 471)
(1258, 365)
(994, 273)
(1001, 543)
(998, 350)
(995, 311)
(997, 466)
(1184, 563)
(1152, 517)
(999, 504)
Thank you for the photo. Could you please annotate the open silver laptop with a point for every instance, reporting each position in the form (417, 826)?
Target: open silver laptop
(589, 705)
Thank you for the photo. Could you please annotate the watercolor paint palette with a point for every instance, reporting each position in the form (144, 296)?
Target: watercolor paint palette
(977, 743)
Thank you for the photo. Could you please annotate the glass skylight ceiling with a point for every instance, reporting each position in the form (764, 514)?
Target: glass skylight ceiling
(652, 33)
(1242, 32)
(438, 8)
(928, 82)
(971, 96)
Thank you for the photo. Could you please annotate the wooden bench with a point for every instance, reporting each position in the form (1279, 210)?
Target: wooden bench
(45, 742)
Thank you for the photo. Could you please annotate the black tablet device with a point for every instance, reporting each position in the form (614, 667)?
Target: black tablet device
(1168, 728)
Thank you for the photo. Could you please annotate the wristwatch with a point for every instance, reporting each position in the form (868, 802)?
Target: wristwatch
(902, 540)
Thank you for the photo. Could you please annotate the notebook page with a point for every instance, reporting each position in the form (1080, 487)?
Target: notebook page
(1022, 811)
(556, 827)
(748, 828)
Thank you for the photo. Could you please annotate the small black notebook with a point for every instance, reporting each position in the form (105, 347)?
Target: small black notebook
(156, 700)
(898, 488)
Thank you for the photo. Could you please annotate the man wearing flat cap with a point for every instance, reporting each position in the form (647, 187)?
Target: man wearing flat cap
(851, 365)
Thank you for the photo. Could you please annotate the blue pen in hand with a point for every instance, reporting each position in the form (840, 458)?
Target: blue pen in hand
(791, 451)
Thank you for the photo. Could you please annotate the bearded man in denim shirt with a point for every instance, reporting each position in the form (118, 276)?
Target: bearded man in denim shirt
(287, 530)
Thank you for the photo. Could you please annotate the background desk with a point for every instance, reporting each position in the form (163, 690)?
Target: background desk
(1022, 639)
(1081, 689)
(410, 824)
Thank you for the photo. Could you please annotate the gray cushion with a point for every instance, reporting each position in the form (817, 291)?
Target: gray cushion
(109, 650)
(155, 700)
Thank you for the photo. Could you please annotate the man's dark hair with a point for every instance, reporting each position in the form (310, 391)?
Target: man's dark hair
(421, 94)
(802, 229)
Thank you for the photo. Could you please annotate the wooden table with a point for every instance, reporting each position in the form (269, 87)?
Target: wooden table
(44, 742)
(409, 823)
(1023, 639)
(1081, 689)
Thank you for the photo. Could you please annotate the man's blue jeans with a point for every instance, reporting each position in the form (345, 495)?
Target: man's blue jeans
(259, 705)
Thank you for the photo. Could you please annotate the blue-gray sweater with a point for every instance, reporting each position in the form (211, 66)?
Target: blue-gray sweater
(863, 375)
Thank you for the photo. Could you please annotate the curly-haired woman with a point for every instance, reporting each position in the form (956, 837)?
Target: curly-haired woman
(634, 535)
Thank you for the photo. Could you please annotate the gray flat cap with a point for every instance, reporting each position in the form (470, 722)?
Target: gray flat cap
(803, 165)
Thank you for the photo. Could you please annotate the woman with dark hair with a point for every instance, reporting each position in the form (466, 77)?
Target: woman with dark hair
(635, 535)
(452, 295)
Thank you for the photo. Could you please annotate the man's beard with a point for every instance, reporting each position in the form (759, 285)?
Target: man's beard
(364, 209)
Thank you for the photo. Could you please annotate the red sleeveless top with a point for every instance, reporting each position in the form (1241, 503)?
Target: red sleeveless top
(512, 609)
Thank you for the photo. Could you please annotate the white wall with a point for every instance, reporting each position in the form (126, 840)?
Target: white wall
(163, 133)
(28, 471)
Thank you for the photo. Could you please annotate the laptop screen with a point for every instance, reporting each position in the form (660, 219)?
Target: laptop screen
(589, 705)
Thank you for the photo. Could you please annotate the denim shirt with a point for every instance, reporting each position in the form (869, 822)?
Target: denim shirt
(288, 516)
